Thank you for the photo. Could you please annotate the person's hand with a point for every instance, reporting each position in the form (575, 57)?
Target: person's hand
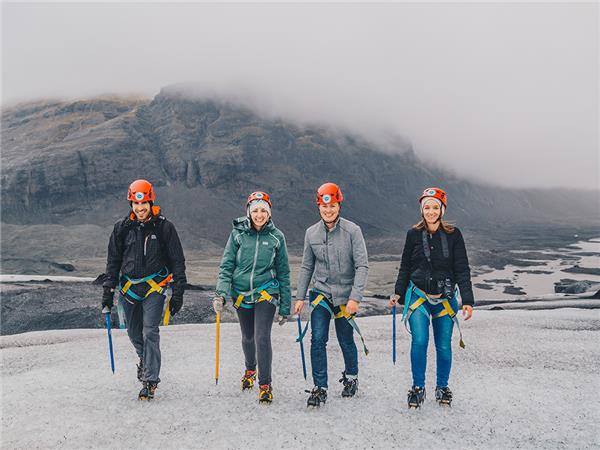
(298, 306)
(352, 307)
(107, 297)
(175, 304)
(467, 311)
(394, 299)
(218, 303)
(281, 320)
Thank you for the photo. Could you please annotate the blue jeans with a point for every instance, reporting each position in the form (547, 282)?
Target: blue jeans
(143, 319)
(442, 335)
(319, 321)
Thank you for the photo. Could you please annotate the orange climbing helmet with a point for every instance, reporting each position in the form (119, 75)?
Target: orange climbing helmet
(259, 195)
(141, 191)
(329, 193)
(436, 193)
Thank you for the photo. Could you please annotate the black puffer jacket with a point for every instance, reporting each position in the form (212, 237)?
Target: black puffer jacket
(428, 277)
(140, 249)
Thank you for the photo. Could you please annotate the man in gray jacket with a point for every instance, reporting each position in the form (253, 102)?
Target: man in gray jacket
(335, 256)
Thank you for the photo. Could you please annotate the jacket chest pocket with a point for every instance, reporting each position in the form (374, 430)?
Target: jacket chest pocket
(267, 252)
(151, 246)
(320, 250)
(246, 250)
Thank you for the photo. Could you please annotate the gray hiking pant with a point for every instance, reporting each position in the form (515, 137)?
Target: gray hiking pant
(143, 319)
(256, 326)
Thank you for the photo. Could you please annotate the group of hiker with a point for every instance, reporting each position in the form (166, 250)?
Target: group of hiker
(145, 256)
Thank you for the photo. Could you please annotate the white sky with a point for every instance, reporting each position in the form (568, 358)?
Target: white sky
(501, 92)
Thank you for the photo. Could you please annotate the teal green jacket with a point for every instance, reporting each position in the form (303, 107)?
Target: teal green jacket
(251, 259)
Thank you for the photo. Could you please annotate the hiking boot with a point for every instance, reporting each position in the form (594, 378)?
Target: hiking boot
(147, 392)
(416, 397)
(317, 396)
(248, 379)
(443, 395)
(266, 393)
(350, 385)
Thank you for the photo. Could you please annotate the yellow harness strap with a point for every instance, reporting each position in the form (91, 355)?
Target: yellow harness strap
(317, 300)
(154, 287)
(167, 314)
(417, 303)
(238, 301)
(264, 295)
(126, 287)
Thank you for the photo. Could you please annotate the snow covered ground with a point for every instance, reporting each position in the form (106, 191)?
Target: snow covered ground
(527, 379)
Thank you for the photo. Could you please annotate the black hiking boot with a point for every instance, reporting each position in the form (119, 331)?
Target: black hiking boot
(147, 392)
(443, 395)
(265, 394)
(350, 385)
(318, 395)
(140, 370)
(416, 397)
(248, 379)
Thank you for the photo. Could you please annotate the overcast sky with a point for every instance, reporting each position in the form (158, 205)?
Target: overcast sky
(506, 93)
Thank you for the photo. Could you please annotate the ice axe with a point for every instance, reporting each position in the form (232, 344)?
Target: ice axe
(218, 335)
(106, 312)
(394, 334)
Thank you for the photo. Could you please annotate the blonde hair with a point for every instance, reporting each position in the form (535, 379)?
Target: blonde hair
(446, 226)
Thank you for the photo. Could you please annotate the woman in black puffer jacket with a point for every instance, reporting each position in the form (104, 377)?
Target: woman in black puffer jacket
(434, 262)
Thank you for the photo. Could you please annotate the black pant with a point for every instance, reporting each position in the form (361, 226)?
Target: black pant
(256, 326)
(143, 319)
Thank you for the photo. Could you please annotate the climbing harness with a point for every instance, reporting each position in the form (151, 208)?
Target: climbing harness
(262, 290)
(414, 301)
(336, 312)
(163, 276)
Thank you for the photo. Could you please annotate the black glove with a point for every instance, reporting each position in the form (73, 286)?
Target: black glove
(107, 297)
(175, 304)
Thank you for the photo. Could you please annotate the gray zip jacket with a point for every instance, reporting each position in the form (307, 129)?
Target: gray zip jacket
(337, 259)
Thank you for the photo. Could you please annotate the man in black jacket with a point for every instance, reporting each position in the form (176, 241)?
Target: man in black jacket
(144, 255)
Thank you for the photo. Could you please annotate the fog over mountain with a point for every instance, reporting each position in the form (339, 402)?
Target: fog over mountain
(502, 93)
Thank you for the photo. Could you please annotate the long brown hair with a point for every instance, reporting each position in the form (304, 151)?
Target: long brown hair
(446, 226)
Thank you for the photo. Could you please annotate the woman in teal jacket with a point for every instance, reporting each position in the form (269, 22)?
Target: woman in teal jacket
(255, 275)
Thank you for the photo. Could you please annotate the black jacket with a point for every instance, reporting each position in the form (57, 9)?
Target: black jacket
(140, 249)
(430, 277)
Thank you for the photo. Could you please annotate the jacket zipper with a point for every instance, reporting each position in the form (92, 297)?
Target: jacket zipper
(254, 266)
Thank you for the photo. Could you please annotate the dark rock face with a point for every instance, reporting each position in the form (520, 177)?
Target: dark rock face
(512, 290)
(583, 270)
(568, 286)
(205, 156)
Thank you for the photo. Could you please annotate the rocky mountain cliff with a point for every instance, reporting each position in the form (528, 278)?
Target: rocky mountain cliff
(70, 163)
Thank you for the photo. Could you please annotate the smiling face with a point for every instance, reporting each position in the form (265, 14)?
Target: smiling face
(259, 217)
(431, 211)
(141, 210)
(329, 212)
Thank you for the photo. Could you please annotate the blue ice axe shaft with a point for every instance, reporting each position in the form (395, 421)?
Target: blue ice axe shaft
(394, 334)
(106, 312)
(301, 347)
